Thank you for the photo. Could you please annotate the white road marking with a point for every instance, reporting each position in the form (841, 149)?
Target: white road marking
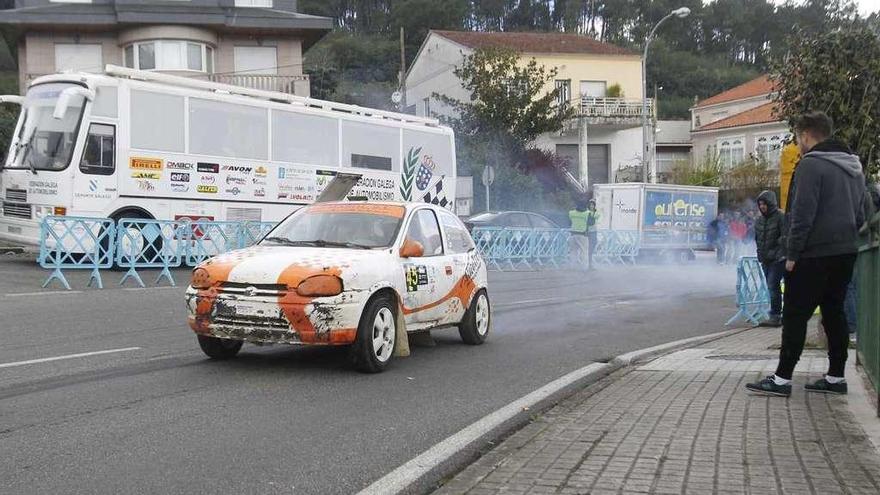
(150, 288)
(43, 293)
(532, 301)
(69, 356)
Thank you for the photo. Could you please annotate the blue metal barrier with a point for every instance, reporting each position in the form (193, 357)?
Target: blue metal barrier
(208, 239)
(142, 243)
(752, 295)
(617, 246)
(76, 243)
(252, 232)
(517, 248)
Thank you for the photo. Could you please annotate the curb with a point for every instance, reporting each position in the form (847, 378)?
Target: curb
(452, 454)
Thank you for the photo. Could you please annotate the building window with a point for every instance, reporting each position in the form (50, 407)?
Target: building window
(267, 4)
(256, 60)
(768, 148)
(85, 58)
(594, 89)
(563, 98)
(169, 55)
(731, 152)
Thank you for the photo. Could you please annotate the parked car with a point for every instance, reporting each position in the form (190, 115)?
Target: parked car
(344, 273)
(523, 219)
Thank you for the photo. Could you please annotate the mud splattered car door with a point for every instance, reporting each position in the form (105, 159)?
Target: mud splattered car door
(429, 278)
(460, 250)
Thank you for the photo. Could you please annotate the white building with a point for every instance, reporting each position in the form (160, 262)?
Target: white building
(588, 71)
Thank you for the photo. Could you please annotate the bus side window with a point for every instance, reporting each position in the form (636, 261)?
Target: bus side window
(100, 151)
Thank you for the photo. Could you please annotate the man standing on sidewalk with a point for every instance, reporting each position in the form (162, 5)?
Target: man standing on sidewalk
(771, 252)
(592, 236)
(579, 226)
(825, 210)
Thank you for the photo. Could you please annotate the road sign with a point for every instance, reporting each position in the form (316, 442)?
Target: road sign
(488, 175)
(396, 97)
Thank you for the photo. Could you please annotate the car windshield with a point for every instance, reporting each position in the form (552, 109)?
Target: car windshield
(354, 226)
(483, 218)
(43, 142)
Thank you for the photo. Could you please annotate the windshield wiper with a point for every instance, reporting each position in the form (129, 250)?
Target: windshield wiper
(317, 243)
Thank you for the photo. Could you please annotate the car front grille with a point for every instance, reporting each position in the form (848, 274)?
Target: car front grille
(253, 290)
(16, 195)
(17, 210)
(254, 329)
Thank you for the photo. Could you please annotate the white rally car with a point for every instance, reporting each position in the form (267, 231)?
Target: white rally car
(344, 273)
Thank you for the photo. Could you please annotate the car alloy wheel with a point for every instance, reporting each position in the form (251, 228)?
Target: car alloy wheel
(383, 334)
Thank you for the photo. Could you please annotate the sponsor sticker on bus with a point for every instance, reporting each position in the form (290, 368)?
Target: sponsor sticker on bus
(208, 168)
(146, 175)
(145, 163)
(207, 189)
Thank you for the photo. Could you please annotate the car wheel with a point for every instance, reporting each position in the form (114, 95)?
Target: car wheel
(219, 348)
(376, 337)
(477, 320)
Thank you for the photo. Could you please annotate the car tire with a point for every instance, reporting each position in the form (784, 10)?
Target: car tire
(216, 348)
(474, 328)
(376, 336)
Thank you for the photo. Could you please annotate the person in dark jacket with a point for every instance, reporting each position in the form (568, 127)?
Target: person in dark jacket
(826, 209)
(771, 252)
(717, 235)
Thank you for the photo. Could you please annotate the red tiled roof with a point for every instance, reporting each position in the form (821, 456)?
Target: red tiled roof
(763, 114)
(535, 42)
(755, 87)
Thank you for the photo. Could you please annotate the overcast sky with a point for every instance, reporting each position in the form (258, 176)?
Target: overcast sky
(868, 6)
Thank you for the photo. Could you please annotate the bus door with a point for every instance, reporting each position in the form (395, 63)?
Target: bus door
(95, 180)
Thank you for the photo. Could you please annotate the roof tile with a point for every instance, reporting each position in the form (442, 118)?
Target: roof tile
(763, 114)
(756, 87)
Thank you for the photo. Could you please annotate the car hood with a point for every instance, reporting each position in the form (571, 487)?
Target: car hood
(290, 265)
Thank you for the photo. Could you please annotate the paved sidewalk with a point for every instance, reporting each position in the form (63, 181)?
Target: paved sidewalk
(684, 423)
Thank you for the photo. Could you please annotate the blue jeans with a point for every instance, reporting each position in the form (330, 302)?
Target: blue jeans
(774, 272)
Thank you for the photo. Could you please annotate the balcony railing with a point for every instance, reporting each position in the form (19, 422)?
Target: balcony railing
(295, 85)
(614, 108)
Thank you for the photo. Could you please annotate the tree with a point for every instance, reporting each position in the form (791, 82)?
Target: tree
(839, 73)
(508, 98)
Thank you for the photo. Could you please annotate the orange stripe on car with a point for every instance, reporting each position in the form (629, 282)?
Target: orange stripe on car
(395, 211)
(464, 290)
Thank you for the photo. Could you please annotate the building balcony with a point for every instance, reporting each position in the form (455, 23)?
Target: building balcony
(614, 108)
(294, 85)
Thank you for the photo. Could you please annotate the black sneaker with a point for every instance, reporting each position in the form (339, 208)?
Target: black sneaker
(822, 386)
(773, 321)
(769, 387)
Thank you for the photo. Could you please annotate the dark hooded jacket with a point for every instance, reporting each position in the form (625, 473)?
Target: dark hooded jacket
(769, 230)
(826, 203)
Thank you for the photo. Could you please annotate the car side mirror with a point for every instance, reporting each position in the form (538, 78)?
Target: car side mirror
(412, 249)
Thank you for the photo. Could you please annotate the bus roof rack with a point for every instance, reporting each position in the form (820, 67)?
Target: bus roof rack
(142, 75)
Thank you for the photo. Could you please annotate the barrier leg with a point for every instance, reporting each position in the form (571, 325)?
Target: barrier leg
(96, 277)
(167, 274)
(56, 274)
(133, 274)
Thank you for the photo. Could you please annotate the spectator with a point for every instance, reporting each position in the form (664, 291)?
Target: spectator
(826, 208)
(771, 252)
(738, 231)
(592, 236)
(717, 236)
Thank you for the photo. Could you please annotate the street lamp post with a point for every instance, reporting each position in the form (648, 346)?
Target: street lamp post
(680, 12)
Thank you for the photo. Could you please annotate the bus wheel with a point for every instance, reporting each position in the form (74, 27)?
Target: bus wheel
(134, 246)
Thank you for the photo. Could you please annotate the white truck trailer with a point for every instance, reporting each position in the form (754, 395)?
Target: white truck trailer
(672, 220)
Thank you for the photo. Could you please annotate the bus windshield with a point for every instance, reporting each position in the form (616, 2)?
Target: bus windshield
(43, 142)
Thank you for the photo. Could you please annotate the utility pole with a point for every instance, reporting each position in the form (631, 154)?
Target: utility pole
(402, 72)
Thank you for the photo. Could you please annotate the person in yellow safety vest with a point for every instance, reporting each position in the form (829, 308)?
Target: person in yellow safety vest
(583, 227)
(578, 217)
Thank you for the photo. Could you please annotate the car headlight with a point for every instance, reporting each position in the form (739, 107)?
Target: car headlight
(320, 286)
(201, 279)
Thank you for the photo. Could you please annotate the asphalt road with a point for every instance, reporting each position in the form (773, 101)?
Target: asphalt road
(157, 417)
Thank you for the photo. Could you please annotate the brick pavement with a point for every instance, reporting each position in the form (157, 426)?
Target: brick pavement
(684, 423)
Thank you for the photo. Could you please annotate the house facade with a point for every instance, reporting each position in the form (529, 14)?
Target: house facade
(252, 43)
(739, 124)
(601, 81)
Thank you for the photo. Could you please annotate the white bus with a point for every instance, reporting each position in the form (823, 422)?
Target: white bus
(138, 144)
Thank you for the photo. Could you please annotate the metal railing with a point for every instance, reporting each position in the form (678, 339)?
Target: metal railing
(612, 108)
(264, 82)
(868, 290)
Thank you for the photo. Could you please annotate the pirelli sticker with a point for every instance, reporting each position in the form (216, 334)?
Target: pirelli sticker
(152, 164)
